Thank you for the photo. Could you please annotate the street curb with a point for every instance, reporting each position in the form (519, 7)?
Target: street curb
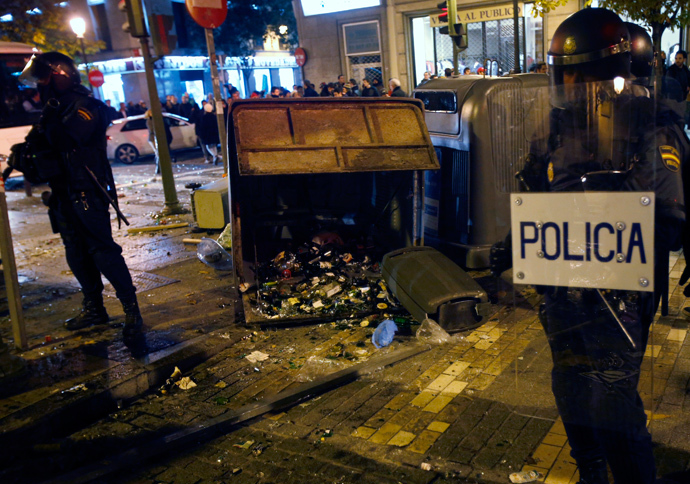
(61, 414)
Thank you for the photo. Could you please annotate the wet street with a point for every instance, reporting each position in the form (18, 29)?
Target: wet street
(253, 404)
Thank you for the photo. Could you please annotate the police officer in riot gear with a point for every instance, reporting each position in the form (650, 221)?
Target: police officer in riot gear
(72, 132)
(604, 135)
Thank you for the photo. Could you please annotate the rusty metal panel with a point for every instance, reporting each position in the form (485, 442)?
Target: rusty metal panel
(330, 135)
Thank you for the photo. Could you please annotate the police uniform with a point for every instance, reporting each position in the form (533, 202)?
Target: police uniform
(71, 139)
(598, 338)
(78, 207)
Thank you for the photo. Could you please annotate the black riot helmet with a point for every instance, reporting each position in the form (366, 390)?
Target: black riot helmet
(642, 51)
(591, 45)
(51, 73)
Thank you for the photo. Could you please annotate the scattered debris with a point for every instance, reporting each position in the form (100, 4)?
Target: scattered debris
(383, 336)
(77, 388)
(220, 384)
(244, 445)
(153, 228)
(425, 466)
(430, 332)
(524, 476)
(191, 241)
(185, 383)
(256, 356)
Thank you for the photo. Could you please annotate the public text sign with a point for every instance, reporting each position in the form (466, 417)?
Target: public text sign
(599, 240)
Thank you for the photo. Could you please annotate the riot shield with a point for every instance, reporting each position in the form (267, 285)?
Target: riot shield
(586, 328)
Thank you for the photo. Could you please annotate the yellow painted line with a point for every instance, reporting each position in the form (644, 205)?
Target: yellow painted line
(437, 426)
(385, 433)
(423, 399)
(440, 383)
(363, 432)
(454, 388)
(438, 403)
(653, 350)
(677, 335)
(402, 439)
(422, 443)
(555, 439)
(545, 455)
(399, 401)
(456, 368)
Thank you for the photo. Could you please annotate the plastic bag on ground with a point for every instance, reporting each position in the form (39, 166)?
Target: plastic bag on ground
(430, 332)
(225, 238)
(317, 366)
(383, 336)
(212, 254)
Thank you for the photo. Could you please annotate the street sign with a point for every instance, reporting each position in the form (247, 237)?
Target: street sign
(96, 78)
(300, 56)
(209, 14)
(601, 240)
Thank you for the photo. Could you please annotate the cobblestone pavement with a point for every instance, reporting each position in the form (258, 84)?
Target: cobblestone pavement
(473, 410)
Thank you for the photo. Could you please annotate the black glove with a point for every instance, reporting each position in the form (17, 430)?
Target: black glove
(6, 173)
(501, 257)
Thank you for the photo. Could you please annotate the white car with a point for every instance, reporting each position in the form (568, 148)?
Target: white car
(128, 138)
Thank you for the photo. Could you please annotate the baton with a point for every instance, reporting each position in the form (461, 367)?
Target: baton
(120, 215)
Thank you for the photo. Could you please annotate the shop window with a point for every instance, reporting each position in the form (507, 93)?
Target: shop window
(362, 42)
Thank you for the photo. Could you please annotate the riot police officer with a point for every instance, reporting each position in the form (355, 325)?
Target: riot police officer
(604, 134)
(72, 134)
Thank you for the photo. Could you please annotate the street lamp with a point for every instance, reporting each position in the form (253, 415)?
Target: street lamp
(79, 28)
(283, 29)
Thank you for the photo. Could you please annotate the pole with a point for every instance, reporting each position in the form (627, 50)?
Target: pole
(86, 63)
(14, 300)
(172, 204)
(516, 36)
(210, 44)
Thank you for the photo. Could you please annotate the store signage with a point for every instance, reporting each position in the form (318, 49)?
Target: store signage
(599, 240)
(300, 56)
(496, 12)
(318, 7)
(96, 78)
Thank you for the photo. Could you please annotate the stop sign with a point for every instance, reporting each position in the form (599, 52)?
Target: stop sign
(209, 14)
(300, 56)
(96, 78)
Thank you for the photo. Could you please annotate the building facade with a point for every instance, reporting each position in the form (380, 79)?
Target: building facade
(382, 39)
(184, 70)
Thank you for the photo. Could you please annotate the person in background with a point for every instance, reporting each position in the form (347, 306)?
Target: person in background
(467, 71)
(448, 72)
(541, 68)
(186, 106)
(112, 112)
(354, 87)
(309, 90)
(276, 92)
(396, 90)
(427, 78)
(209, 132)
(681, 74)
(368, 90)
(33, 104)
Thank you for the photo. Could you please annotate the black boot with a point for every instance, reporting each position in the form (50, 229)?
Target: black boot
(594, 473)
(92, 312)
(133, 320)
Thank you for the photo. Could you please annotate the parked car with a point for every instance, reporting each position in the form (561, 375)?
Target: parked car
(128, 138)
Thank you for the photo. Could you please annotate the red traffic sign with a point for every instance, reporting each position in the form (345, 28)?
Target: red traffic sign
(300, 56)
(96, 78)
(210, 14)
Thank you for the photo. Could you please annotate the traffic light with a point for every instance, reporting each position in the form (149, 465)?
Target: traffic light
(135, 25)
(456, 30)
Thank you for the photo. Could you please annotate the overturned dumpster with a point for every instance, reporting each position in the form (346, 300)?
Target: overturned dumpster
(321, 189)
(481, 128)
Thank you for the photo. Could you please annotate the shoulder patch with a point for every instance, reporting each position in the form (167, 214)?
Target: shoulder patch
(670, 157)
(84, 114)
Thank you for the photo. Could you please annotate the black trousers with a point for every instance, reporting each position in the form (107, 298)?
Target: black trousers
(595, 376)
(83, 221)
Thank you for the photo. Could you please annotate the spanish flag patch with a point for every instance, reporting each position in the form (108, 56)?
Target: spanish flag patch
(84, 114)
(670, 157)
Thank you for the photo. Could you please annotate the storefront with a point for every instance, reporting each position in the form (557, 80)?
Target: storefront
(373, 39)
(402, 39)
(125, 79)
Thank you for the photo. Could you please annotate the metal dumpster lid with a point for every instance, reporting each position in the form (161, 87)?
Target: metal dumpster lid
(331, 135)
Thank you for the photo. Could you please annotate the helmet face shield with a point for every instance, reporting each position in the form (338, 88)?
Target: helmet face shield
(36, 72)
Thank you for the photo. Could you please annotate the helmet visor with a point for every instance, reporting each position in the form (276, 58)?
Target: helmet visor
(35, 72)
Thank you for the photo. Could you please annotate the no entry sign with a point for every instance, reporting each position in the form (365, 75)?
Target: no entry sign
(300, 56)
(96, 78)
(209, 14)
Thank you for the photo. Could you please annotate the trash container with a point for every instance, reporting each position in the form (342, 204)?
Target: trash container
(352, 167)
